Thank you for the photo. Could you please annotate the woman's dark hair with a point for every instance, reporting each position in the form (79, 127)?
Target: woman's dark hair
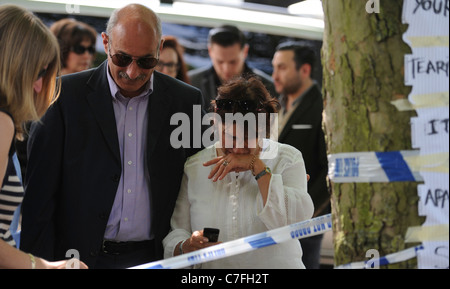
(245, 95)
(172, 42)
(70, 33)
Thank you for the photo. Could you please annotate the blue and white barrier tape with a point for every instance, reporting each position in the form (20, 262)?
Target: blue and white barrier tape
(366, 167)
(299, 230)
(388, 259)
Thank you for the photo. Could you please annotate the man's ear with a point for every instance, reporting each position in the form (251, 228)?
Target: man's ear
(105, 39)
(305, 69)
(245, 50)
(209, 50)
(161, 46)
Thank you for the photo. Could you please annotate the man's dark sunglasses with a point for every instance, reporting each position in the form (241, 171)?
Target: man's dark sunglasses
(245, 105)
(80, 49)
(123, 60)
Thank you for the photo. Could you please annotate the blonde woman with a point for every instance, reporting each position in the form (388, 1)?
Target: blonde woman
(29, 63)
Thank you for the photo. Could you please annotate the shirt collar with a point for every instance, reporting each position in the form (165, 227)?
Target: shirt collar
(283, 98)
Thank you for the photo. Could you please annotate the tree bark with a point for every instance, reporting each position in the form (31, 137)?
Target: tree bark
(363, 66)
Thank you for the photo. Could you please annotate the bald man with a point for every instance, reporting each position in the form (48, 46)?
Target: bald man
(103, 176)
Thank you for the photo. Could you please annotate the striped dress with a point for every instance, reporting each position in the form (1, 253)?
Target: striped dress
(11, 195)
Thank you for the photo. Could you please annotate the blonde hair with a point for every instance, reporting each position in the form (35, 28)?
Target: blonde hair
(26, 47)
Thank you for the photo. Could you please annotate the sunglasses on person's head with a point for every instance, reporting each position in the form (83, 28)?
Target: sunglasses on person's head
(244, 104)
(80, 49)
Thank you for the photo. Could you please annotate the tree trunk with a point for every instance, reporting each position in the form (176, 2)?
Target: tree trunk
(363, 60)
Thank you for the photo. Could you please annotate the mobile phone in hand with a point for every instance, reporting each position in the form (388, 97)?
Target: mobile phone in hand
(212, 234)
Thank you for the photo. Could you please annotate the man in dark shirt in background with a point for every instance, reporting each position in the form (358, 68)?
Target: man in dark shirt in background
(300, 125)
(228, 52)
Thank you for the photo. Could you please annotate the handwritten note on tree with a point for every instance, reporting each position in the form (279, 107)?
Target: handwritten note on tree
(427, 71)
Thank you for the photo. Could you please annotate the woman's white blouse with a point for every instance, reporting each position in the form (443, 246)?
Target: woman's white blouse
(235, 206)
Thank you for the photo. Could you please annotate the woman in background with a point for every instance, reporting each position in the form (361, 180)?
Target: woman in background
(171, 61)
(77, 44)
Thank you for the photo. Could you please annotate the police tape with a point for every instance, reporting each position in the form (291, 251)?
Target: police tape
(365, 167)
(308, 228)
(397, 257)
